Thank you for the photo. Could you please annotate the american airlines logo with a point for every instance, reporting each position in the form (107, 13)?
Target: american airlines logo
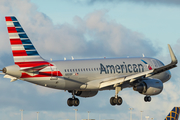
(121, 68)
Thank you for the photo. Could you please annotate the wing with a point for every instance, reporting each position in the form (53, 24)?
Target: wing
(132, 78)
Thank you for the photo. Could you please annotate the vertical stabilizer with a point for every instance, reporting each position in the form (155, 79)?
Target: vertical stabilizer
(174, 114)
(22, 48)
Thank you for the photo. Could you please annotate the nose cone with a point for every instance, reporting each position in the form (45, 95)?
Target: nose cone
(167, 75)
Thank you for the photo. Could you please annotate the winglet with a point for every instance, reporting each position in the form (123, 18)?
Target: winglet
(173, 57)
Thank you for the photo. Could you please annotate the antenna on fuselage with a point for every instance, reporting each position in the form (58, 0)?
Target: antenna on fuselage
(143, 55)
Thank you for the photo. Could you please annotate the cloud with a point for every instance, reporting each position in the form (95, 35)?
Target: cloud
(91, 36)
(148, 2)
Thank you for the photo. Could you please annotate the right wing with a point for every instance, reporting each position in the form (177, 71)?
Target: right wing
(118, 81)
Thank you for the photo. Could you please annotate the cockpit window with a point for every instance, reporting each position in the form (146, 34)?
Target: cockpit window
(160, 63)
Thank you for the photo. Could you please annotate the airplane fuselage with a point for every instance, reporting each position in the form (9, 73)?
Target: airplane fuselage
(76, 73)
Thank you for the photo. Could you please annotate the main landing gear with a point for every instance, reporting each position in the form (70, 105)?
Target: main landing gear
(73, 101)
(116, 100)
(147, 98)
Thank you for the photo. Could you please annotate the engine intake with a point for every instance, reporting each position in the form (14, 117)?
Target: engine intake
(149, 87)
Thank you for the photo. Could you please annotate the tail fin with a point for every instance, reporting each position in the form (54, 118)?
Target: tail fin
(22, 48)
(174, 114)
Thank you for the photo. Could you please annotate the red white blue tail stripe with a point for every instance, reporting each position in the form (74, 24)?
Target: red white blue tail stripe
(22, 48)
(24, 53)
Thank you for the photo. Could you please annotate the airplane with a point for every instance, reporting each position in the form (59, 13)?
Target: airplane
(174, 114)
(85, 77)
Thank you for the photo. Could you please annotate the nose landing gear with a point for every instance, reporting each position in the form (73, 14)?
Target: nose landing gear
(147, 98)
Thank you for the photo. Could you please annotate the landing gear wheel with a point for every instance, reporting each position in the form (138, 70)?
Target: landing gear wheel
(116, 101)
(73, 102)
(147, 98)
(113, 101)
(119, 101)
(76, 101)
(70, 102)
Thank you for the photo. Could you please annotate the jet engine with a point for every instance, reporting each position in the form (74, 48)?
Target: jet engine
(86, 93)
(149, 87)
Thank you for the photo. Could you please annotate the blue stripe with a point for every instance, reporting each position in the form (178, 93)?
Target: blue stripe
(29, 47)
(23, 36)
(16, 24)
(30, 53)
(177, 109)
(13, 19)
(144, 61)
(19, 30)
(27, 41)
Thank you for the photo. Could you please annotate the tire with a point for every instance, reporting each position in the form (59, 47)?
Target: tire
(76, 102)
(149, 99)
(119, 101)
(70, 102)
(112, 101)
(145, 98)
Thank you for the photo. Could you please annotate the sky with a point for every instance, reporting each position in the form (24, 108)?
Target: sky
(91, 29)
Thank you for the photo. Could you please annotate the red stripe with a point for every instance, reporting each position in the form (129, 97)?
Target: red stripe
(42, 74)
(8, 18)
(11, 30)
(32, 64)
(19, 53)
(15, 41)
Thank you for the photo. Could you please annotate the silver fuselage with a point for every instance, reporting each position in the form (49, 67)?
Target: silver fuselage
(77, 73)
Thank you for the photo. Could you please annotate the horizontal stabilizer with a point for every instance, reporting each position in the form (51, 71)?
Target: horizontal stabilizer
(11, 77)
(34, 69)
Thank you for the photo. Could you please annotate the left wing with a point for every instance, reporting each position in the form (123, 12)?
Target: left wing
(135, 77)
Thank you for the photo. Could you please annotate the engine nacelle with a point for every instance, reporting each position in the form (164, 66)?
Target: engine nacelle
(13, 70)
(149, 87)
(86, 93)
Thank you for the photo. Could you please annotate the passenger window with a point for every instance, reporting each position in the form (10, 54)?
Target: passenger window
(70, 70)
(91, 69)
(86, 69)
(64, 70)
(67, 70)
(94, 69)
